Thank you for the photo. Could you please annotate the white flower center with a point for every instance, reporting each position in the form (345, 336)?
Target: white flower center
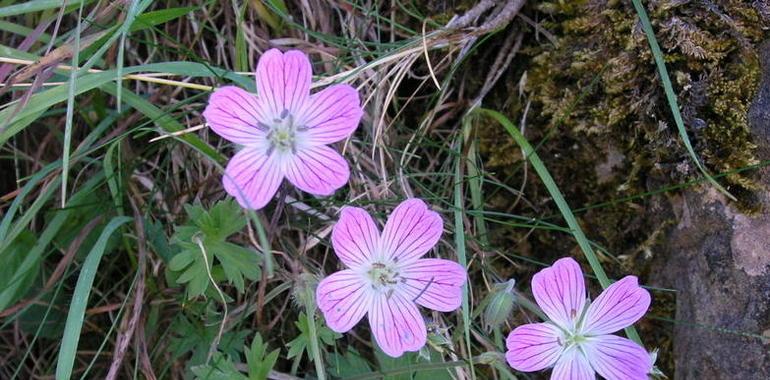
(573, 339)
(282, 134)
(383, 276)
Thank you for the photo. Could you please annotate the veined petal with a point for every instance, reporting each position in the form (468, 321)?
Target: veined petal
(396, 324)
(619, 306)
(235, 114)
(434, 283)
(355, 237)
(252, 177)
(283, 81)
(560, 291)
(331, 114)
(617, 358)
(344, 298)
(573, 365)
(318, 170)
(533, 347)
(411, 231)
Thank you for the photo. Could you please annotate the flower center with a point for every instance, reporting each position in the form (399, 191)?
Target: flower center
(383, 276)
(282, 135)
(572, 339)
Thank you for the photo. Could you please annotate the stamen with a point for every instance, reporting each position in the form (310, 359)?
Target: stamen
(383, 276)
(282, 134)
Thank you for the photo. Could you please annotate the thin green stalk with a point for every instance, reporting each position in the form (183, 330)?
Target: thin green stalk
(267, 251)
(460, 244)
(218, 337)
(315, 348)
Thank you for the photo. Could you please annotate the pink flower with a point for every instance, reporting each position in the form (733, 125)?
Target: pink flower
(284, 130)
(386, 277)
(577, 341)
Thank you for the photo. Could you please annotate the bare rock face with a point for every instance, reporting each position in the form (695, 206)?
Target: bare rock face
(719, 262)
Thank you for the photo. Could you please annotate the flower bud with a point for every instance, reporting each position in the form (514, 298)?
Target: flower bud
(499, 304)
(304, 290)
(490, 358)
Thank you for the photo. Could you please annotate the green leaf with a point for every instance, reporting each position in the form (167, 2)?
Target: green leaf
(156, 236)
(221, 368)
(195, 337)
(55, 226)
(223, 220)
(347, 365)
(298, 345)
(79, 302)
(388, 363)
(210, 229)
(237, 262)
(36, 5)
(258, 362)
(162, 16)
(13, 258)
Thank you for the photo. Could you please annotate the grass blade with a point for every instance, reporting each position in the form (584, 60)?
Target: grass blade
(34, 6)
(561, 203)
(70, 110)
(77, 310)
(668, 88)
(460, 244)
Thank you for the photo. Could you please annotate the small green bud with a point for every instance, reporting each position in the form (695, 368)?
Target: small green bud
(489, 358)
(304, 290)
(499, 304)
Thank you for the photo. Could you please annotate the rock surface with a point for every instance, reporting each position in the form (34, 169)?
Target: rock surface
(719, 262)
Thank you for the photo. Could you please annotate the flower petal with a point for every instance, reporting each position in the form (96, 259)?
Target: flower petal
(411, 231)
(560, 291)
(434, 283)
(252, 177)
(619, 306)
(235, 114)
(344, 298)
(617, 358)
(533, 347)
(355, 237)
(396, 324)
(283, 81)
(318, 170)
(573, 365)
(332, 114)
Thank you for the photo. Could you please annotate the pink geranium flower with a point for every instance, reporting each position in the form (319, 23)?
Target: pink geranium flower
(284, 130)
(577, 341)
(386, 277)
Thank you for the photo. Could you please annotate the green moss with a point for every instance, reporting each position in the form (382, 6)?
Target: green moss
(596, 93)
(708, 53)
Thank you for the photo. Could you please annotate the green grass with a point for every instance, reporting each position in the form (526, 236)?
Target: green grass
(122, 131)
